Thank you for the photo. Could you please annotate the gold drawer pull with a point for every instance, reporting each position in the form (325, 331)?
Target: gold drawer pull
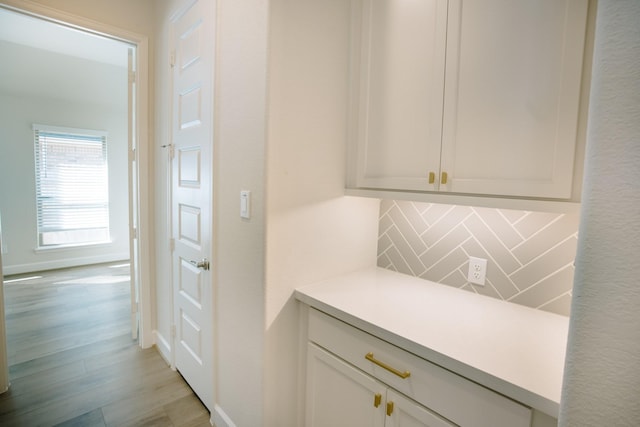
(432, 177)
(444, 178)
(389, 408)
(377, 399)
(403, 375)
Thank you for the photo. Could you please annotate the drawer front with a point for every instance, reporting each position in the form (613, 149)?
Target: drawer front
(452, 396)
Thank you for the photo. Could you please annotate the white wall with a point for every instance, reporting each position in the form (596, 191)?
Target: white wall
(313, 231)
(58, 93)
(602, 371)
(239, 147)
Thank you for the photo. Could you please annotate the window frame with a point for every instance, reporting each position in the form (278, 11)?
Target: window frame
(82, 136)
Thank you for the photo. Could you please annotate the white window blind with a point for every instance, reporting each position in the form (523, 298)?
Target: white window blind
(72, 192)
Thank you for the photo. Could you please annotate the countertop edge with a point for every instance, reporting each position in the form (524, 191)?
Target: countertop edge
(500, 385)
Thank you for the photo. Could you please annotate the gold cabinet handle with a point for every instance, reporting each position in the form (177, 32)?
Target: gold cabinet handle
(432, 177)
(389, 408)
(444, 178)
(403, 375)
(377, 399)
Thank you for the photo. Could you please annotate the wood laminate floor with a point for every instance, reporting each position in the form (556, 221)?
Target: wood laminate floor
(73, 362)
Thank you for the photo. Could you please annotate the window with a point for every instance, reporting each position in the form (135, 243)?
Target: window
(72, 192)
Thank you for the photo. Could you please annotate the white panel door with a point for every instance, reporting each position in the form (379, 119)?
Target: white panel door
(339, 395)
(191, 199)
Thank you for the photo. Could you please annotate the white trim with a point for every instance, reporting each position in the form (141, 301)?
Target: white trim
(142, 134)
(4, 361)
(70, 247)
(72, 21)
(537, 205)
(181, 10)
(220, 419)
(69, 130)
(164, 348)
(303, 339)
(64, 263)
(145, 211)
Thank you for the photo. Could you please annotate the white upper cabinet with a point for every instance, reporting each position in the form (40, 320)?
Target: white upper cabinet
(401, 90)
(469, 96)
(514, 72)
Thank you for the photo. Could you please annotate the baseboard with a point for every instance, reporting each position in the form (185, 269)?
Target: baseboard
(63, 263)
(164, 347)
(220, 419)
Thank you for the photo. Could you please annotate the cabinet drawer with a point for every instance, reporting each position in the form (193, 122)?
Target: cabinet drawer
(452, 396)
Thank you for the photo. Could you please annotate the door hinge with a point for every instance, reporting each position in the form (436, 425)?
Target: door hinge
(132, 155)
(170, 149)
(172, 244)
(132, 76)
(173, 331)
(172, 58)
(134, 308)
(134, 232)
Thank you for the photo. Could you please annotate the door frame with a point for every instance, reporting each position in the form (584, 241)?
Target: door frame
(4, 364)
(141, 114)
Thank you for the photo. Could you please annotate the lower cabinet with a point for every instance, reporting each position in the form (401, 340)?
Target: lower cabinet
(357, 379)
(340, 395)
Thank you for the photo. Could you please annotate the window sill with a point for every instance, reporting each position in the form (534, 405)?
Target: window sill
(72, 247)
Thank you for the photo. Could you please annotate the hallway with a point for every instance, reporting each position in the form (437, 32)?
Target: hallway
(73, 362)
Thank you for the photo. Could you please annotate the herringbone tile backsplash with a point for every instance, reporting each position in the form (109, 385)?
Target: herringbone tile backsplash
(529, 255)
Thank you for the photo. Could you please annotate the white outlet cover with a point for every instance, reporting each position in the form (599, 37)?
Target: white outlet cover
(477, 270)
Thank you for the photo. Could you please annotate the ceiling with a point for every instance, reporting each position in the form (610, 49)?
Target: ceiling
(38, 33)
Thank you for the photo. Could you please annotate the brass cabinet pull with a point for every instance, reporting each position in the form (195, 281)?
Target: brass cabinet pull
(389, 408)
(444, 178)
(432, 177)
(403, 375)
(377, 399)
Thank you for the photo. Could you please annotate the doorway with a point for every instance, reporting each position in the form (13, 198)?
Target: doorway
(133, 238)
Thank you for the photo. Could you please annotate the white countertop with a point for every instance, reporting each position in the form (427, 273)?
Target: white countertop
(514, 350)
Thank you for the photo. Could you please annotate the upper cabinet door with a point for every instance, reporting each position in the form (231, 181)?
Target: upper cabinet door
(401, 91)
(513, 77)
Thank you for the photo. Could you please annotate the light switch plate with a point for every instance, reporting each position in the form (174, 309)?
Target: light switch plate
(245, 204)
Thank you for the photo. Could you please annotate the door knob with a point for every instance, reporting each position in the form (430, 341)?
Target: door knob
(203, 263)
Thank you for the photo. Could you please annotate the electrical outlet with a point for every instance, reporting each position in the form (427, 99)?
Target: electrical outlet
(477, 270)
